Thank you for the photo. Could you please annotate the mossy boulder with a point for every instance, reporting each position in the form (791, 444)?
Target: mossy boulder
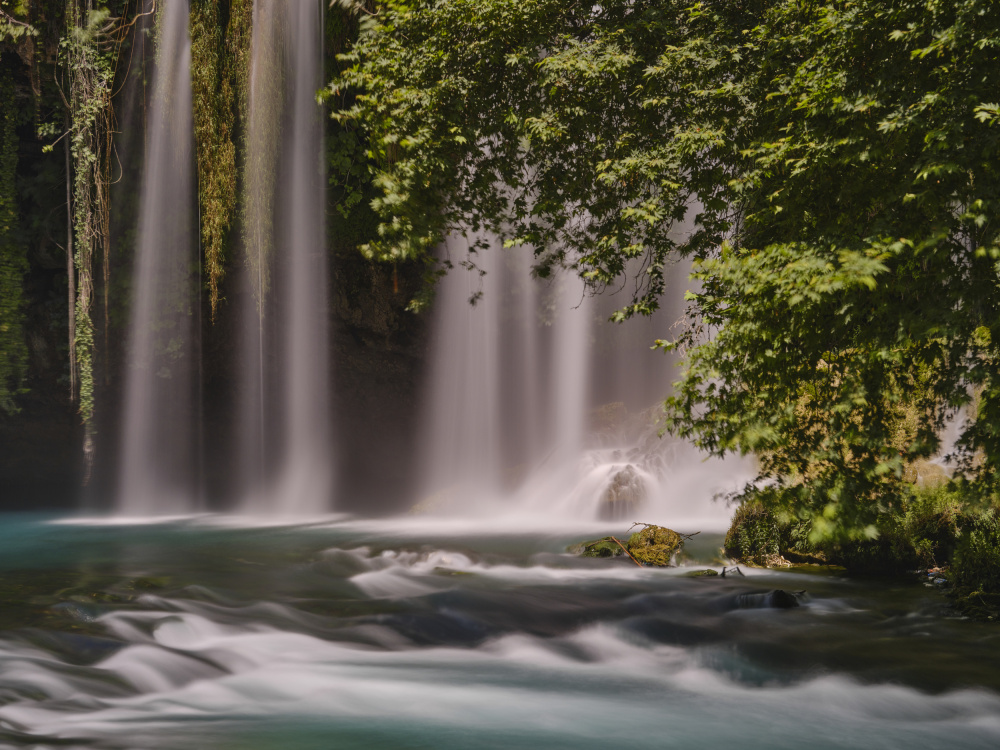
(604, 547)
(924, 473)
(655, 545)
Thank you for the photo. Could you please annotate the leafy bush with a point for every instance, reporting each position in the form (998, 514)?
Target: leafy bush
(754, 536)
(922, 529)
(889, 552)
(933, 522)
(977, 558)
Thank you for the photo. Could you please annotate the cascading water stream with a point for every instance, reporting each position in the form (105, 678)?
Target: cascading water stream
(158, 472)
(306, 479)
(462, 452)
(540, 408)
(504, 399)
(285, 422)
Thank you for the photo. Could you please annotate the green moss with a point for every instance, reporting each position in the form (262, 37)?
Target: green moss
(655, 545)
(605, 547)
(212, 83)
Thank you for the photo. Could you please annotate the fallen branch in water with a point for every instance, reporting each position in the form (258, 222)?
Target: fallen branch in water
(685, 537)
(625, 550)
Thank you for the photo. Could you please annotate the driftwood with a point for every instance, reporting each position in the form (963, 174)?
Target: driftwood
(685, 537)
(625, 550)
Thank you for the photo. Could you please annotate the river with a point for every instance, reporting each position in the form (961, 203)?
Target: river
(216, 633)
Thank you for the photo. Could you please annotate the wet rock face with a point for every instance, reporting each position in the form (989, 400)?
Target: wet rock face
(624, 494)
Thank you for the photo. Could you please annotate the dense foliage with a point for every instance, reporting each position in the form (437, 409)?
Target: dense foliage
(839, 160)
(531, 119)
(754, 537)
(218, 51)
(89, 54)
(863, 282)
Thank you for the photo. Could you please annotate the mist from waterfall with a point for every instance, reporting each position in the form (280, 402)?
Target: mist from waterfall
(285, 436)
(161, 437)
(538, 407)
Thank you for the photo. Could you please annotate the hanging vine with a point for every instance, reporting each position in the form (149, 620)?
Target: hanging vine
(13, 263)
(89, 55)
(212, 89)
(238, 40)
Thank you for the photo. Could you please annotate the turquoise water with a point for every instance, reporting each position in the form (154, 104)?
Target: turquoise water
(203, 633)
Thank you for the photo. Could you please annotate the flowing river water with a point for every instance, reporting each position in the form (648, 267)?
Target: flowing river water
(202, 633)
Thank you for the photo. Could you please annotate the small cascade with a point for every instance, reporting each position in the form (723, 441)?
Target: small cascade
(161, 439)
(286, 460)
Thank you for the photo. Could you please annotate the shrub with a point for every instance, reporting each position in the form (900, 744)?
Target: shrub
(977, 558)
(754, 536)
(933, 518)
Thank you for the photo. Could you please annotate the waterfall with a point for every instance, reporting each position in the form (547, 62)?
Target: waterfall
(538, 407)
(462, 451)
(159, 468)
(534, 405)
(285, 435)
(508, 379)
(284, 443)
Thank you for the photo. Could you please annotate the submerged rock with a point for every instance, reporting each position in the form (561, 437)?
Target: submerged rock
(774, 599)
(624, 494)
(604, 547)
(655, 545)
(707, 573)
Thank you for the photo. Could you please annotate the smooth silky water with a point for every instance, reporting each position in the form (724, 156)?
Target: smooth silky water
(408, 634)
